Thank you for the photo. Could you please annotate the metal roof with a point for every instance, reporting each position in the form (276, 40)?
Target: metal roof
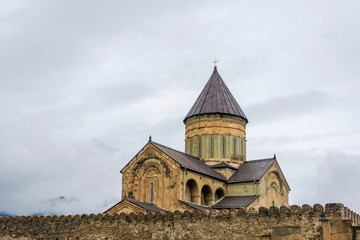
(196, 206)
(235, 201)
(223, 165)
(188, 161)
(216, 98)
(147, 206)
(251, 170)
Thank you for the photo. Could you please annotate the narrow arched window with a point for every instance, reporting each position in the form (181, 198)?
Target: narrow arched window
(151, 192)
(211, 147)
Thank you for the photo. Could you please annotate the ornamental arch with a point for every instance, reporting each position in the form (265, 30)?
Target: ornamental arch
(273, 179)
(151, 175)
(274, 189)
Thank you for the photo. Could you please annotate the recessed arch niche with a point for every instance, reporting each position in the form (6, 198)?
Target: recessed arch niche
(219, 193)
(206, 195)
(191, 191)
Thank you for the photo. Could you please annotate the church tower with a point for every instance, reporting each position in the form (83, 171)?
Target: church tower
(215, 127)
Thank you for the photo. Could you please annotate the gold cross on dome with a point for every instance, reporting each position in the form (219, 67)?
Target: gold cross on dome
(216, 61)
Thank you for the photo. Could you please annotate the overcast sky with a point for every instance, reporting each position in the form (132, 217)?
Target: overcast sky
(84, 83)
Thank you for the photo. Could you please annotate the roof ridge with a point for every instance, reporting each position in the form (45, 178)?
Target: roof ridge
(175, 150)
(259, 160)
(253, 195)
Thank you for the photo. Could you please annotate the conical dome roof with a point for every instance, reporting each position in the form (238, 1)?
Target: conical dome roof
(216, 98)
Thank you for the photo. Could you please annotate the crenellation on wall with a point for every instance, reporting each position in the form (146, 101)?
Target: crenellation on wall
(295, 209)
(318, 209)
(300, 222)
(350, 215)
(306, 208)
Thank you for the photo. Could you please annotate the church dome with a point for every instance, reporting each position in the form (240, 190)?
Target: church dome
(216, 98)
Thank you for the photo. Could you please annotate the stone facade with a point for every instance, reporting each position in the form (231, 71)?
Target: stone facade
(153, 167)
(294, 223)
(154, 177)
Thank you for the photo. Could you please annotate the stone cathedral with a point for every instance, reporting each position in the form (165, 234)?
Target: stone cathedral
(212, 173)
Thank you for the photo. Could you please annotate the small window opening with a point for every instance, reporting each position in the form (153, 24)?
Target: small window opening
(151, 192)
(273, 203)
(211, 147)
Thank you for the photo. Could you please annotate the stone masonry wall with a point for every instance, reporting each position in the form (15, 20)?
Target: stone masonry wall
(306, 222)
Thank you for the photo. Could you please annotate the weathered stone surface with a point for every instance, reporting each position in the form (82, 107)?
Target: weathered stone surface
(273, 223)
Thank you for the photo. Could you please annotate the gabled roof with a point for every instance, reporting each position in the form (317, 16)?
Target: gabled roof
(251, 170)
(216, 98)
(147, 206)
(188, 161)
(223, 165)
(235, 201)
(196, 206)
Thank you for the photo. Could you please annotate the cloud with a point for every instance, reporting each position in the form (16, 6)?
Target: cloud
(329, 178)
(99, 144)
(61, 200)
(2, 214)
(274, 109)
(338, 179)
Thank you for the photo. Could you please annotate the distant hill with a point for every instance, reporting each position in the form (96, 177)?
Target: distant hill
(3, 214)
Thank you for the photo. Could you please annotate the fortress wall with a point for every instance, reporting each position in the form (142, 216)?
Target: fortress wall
(295, 222)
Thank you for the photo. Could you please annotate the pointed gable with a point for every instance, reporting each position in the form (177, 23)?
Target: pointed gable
(133, 206)
(216, 98)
